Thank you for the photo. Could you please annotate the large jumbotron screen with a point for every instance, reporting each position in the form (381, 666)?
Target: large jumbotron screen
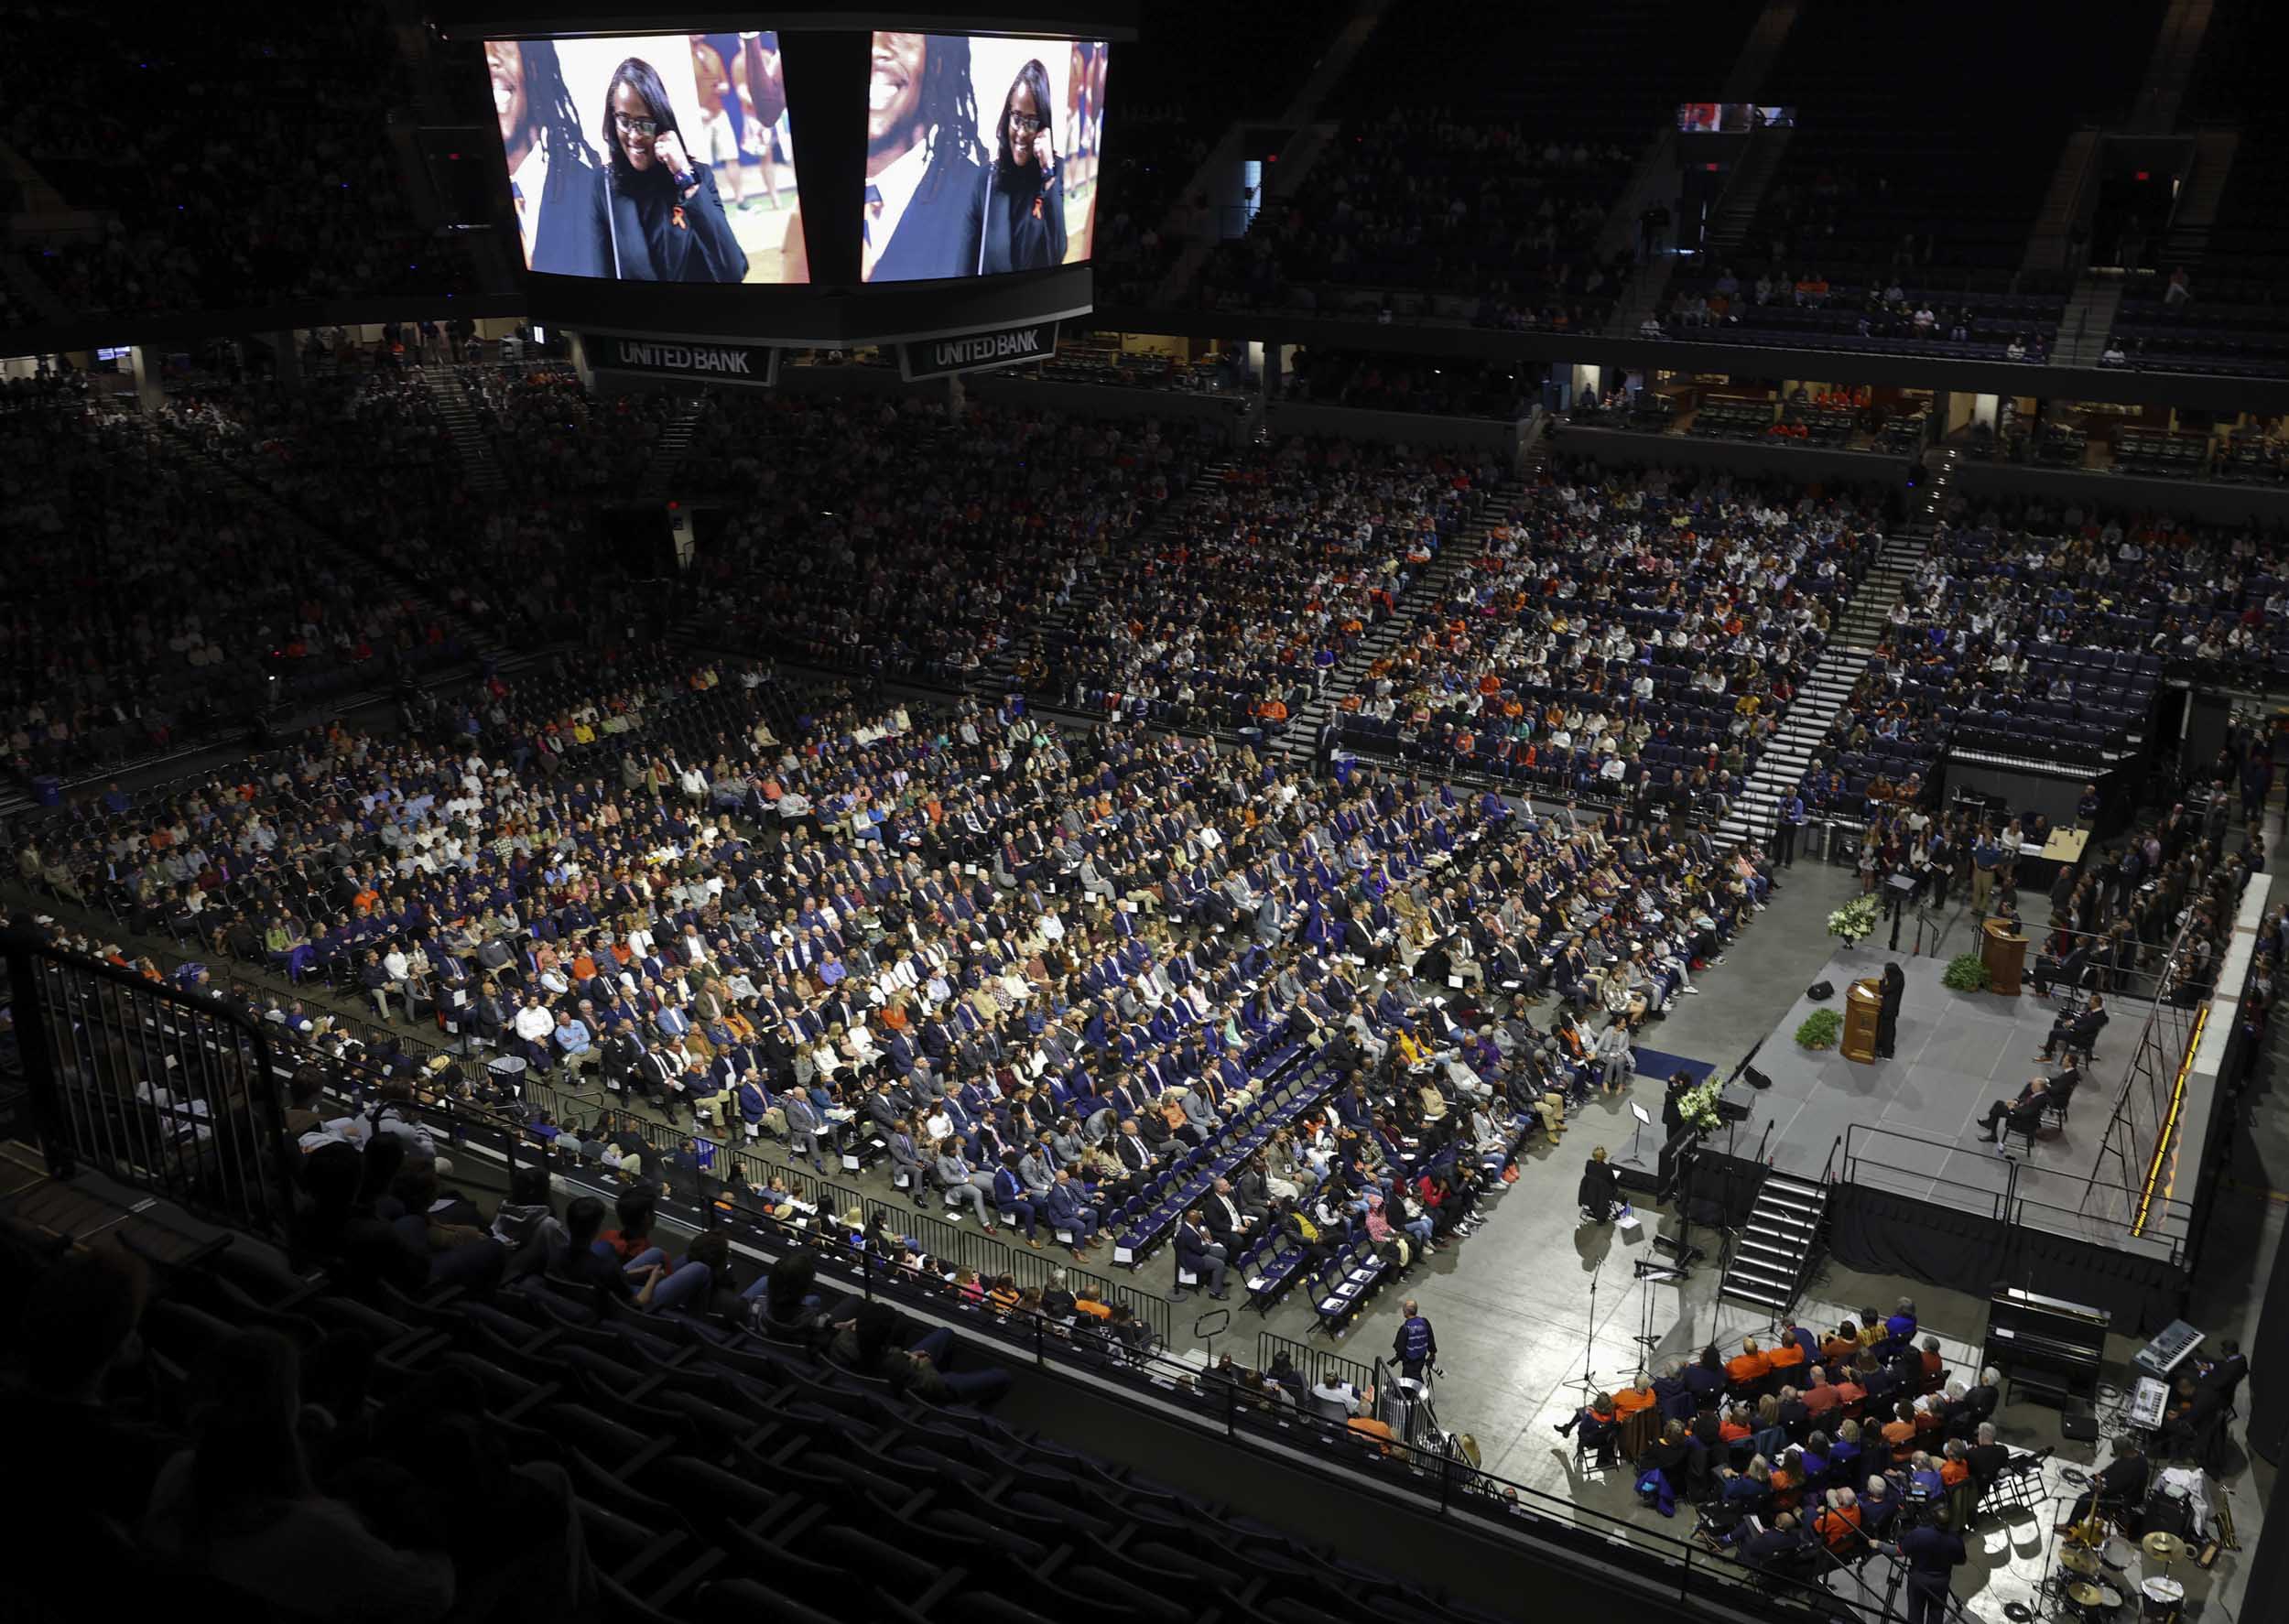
(981, 154)
(651, 159)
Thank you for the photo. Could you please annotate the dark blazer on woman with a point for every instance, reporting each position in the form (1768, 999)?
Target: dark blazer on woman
(1021, 223)
(657, 234)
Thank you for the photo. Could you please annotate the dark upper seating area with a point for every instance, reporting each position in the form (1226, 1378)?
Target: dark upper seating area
(1449, 386)
(150, 603)
(1890, 228)
(1486, 189)
(236, 166)
(1905, 311)
(1164, 114)
(1875, 177)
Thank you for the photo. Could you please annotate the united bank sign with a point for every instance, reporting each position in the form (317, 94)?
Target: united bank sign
(978, 351)
(755, 365)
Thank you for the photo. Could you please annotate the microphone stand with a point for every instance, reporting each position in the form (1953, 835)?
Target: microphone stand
(1589, 1382)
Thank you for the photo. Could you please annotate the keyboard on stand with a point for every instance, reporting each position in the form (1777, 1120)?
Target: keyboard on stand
(2146, 1402)
(2168, 1350)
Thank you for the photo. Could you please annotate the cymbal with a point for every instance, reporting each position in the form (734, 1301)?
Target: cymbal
(2083, 1594)
(2085, 1563)
(2163, 1547)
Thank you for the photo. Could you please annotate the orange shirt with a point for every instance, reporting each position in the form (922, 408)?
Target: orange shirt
(1901, 1435)
(1742, 1369)
(1952, 1472)
(1787, 1357)
(1732, 1431)
(1840, 1526)
(1629, 1401)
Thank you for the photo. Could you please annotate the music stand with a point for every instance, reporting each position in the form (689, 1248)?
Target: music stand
(1644, 1118)
(1648, 1272)
(1897, 889)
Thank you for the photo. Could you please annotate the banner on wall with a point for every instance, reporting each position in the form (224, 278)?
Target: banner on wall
(756, 365)
(977, 352)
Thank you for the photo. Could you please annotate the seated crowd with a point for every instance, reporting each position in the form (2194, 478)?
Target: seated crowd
(1238, 613)
(639, 882)
(367, 458)
(1622, 633)
(1824, 1439)
(2043, 629)
(1898, 310)
(878, 536)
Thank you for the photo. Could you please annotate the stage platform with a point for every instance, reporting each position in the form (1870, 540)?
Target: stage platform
(1910, 1125)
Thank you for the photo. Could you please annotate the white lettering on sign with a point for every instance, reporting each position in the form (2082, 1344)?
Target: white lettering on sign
(689, 358)
(987, 346)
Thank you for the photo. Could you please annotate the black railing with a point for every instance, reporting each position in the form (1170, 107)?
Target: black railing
(166, 1090)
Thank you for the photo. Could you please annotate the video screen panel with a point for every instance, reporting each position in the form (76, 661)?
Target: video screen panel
(1712, 118)
(653, 158)
(983, 155)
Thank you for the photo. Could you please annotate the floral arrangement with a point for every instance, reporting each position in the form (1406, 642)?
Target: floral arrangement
(1698, 1105)
(1855, 921)
(1820, 1030)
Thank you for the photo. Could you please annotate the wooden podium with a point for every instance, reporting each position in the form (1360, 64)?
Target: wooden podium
(2004, 952)
(1863, 1005)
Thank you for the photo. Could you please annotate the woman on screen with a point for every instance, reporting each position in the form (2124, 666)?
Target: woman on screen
(1021, 201)
(658, 209)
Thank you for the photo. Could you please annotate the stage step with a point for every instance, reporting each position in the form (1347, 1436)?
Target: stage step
(1773, 1256)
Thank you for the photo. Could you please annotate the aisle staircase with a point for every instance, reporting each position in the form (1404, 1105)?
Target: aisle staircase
(2195, 212)
(2089, 321)
(1787, 755)
(1777, 1249)
(1744, 194)
(451, 396)
(1454, 559)
(670, 450)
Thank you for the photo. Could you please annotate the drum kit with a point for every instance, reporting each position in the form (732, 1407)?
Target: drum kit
(2093, 1581)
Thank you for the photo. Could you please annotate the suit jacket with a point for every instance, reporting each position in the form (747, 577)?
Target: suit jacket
(937, 235)
(1191, 1248)
(1064, 1206)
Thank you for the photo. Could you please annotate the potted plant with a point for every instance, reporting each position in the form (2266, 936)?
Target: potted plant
(1855, 921)
(1965, 972)
(1820, 1030)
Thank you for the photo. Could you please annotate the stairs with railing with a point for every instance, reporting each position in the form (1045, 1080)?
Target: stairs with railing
(1778, 1247)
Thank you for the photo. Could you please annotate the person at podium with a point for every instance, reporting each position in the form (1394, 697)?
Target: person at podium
(1888, 1015)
